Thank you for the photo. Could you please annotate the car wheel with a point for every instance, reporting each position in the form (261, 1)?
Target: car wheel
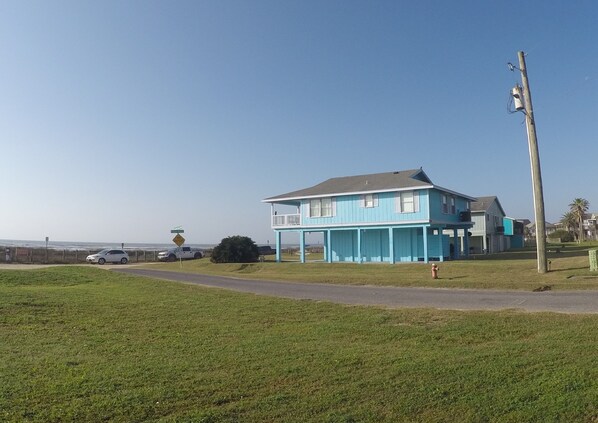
(101, 261)
(123, 260)
(197, 256)
(172, 257)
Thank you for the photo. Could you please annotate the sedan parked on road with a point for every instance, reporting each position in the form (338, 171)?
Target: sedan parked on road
(108, 256)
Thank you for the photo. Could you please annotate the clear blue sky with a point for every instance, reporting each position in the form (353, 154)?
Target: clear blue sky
(120, 120)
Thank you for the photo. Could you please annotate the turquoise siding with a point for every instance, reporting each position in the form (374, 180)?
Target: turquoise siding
(434, 246)
(375, 243)
(509, 227)
(517, 241)
(408, 245)
(344, 245)
(376, 230)
(436, 207)
(349, 211)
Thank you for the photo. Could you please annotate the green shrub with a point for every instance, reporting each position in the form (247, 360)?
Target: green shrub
(235, 249)
(565, 236)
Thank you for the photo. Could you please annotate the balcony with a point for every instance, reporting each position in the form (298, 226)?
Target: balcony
(465, 216)
(285, 220)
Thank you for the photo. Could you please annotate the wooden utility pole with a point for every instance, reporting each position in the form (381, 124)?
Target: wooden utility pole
(535, 165)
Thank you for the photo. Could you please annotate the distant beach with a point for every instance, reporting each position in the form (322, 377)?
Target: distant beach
(85, 246)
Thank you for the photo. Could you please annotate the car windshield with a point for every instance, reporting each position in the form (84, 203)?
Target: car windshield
(103, 251)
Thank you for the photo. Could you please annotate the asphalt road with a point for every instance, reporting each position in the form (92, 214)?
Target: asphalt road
(393, 297)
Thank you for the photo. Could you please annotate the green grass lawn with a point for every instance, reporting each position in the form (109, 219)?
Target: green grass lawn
(514, 270)
(82, 344)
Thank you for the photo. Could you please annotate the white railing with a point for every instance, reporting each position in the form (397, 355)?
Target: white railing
(279, 220)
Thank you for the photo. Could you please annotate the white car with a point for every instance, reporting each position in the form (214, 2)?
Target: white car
(108, 256)
(182, 253)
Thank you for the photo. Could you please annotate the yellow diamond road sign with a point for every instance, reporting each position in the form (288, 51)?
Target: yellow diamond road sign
(178, 240)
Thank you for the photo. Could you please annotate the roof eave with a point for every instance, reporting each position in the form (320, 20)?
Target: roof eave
(337, 194)
(467, 197)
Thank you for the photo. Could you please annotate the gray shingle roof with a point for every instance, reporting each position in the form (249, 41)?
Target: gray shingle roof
(376, 182)
(483, 204)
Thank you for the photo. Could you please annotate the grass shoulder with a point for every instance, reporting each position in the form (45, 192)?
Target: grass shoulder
(83, 344)
(569, 270)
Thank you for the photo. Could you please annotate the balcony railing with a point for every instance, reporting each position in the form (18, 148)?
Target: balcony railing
(279, 220)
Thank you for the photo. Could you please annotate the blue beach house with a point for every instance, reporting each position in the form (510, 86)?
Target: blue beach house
(384, 217)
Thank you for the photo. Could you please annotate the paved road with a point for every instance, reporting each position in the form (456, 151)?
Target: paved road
(394, 297)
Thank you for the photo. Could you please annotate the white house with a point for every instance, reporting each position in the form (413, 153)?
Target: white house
(488, 232)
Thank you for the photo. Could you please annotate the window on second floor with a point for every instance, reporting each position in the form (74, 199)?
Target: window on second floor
(326, 207)
(321, 207)
(408, 202)
(448, 204)
(369, 200)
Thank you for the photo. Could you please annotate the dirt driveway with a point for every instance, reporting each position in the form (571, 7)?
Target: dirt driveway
(20, 266)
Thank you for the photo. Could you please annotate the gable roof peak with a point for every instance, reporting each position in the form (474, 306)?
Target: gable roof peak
(485, 202)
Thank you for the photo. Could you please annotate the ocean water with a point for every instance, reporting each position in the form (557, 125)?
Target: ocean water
(85, 246)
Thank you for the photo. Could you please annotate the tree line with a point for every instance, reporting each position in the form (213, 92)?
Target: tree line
(572, 221)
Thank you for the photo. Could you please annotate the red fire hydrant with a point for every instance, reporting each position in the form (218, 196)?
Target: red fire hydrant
(434, 271)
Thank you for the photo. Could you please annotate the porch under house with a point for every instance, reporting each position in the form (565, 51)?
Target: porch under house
(370, 244)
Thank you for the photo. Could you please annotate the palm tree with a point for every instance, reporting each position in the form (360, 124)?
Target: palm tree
(569, 221)
(578, 208)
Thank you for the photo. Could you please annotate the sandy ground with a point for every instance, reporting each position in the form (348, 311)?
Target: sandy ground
(19, 266)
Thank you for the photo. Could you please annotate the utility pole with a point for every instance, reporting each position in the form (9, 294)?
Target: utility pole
(535, 167)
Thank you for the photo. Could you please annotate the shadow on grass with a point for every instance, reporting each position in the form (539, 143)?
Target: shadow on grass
(569, 269)
(529, 253)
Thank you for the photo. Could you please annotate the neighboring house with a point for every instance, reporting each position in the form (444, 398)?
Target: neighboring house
(514, 234)
(488, 232)
(492, 231)
(384, 217)
(525, 223)
(590, 226)
(530, 229)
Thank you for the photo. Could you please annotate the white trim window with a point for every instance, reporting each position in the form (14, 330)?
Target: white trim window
(369, 200)
(449, 204)
(315, 208)
(321, 207)
(408, 202)
(326, 207)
